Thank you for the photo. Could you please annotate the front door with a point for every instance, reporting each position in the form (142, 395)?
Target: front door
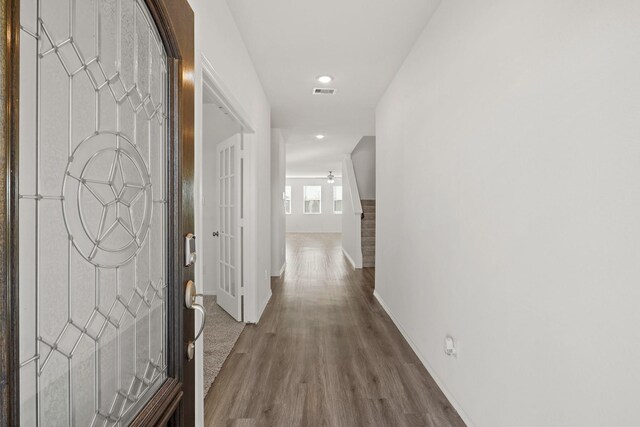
(105, 151)
(229, 294)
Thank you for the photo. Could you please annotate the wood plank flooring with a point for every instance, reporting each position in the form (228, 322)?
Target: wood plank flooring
(324, 354)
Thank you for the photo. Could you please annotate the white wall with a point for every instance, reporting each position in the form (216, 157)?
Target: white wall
(351, 215)
(262, 214)
(326, 222)
(218, 39)
(509, 208)
(278, 221)
(348, 225)
(211, 218)
(363, 158)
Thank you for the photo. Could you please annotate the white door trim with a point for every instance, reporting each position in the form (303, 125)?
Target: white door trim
(213, 82)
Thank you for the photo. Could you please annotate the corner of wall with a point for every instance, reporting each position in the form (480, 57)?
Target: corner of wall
(263, 306)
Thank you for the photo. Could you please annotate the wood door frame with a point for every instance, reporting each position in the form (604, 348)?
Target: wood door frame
(9, 85)
(174, 20)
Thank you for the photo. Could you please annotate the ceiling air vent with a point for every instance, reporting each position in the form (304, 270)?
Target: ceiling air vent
(323, 91)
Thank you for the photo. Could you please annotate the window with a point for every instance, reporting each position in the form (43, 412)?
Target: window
(287, 199)
(312, 199)
(337, 199)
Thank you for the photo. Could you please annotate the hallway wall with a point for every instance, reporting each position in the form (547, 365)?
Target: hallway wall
(363, 157)
(218, 39)
(351, 215)
(326, 222)
(278, 220)
(508, 215)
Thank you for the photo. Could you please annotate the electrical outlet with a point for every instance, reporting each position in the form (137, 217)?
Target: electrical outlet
(450, 346)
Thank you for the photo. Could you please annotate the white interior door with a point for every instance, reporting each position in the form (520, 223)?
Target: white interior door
(229, 291)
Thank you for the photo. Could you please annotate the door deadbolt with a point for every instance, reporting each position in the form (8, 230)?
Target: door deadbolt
(189, 249)
(215, 233)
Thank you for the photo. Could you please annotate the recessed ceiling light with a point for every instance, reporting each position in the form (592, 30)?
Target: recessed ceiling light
(320, 136)
(324, 79)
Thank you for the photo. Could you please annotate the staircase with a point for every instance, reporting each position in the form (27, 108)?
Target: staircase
(368, 233)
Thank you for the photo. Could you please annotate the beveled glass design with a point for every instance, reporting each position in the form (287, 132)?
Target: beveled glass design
(107, 169)
(228, 228)
(93, 211)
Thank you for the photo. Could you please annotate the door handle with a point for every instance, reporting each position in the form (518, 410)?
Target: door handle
(190, 296)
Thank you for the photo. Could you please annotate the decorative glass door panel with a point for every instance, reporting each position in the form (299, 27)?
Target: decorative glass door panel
(93, 197)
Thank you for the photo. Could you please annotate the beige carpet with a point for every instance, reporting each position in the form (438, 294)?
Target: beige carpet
(220, 335)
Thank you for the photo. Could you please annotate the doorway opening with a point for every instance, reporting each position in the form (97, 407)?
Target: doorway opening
(222, 208)
(221, 225)
(313, 212)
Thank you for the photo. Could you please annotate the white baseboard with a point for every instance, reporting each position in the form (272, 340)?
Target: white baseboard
(279, 274)
(424, 361)
(314, 231)
(353, 264)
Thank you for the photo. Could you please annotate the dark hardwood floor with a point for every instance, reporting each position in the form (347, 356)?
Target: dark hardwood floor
(324, 354)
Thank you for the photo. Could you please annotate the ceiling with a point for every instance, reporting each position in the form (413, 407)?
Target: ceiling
(308, 157)
(361, 43)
